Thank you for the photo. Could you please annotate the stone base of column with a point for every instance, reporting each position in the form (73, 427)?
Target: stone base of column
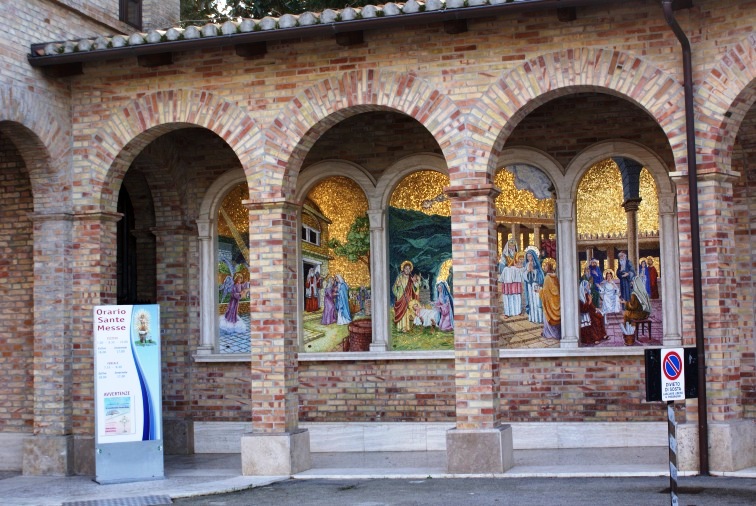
(276, 454)
(730, 446)
(479, 451)
(48, 456)
(378, 347)
(84, 456)
(178, 437)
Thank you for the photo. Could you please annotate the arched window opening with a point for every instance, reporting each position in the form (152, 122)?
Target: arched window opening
(527, 275)
(335, 246)
(618, 251)
(420, 273)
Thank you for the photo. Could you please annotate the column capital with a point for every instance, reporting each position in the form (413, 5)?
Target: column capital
(104, 216)
(473, 190)
(377, 218)
(40, 217)
(204, 228)
(271, 204)
(565, 209)
(631, 205)
(666, 204)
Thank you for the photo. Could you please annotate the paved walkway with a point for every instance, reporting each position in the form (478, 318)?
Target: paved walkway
(205, 474)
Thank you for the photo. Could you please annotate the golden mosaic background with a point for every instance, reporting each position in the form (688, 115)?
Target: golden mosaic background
(232, 205)
(600, 197)
(513, 201)
(341, 200)
(423, 191)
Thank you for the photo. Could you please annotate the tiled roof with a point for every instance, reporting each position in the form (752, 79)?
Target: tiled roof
(270, 28)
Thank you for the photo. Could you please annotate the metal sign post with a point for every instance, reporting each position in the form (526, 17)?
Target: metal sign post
(666, 380)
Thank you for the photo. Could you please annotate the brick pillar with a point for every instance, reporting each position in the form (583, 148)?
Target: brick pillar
(730, 435)
(75, 270)
(276, 446)
(50, 450)
(479, 443)
(178, 295)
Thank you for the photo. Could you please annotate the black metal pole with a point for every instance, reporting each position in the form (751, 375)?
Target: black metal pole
(695, 238)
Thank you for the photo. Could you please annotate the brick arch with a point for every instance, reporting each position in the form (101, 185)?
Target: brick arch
(521, 90)
(42, 135)
(722, 101)
(134, 126)
(316, 109)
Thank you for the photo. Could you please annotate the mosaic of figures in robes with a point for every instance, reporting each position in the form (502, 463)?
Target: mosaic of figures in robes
(527, 274)
(233, 272)
(420, 264)
(335, 240)
(619, 296)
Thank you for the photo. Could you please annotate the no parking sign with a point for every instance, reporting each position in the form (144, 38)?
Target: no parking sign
(673, 374)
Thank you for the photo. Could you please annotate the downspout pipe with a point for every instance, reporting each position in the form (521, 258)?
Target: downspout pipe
(695, 238)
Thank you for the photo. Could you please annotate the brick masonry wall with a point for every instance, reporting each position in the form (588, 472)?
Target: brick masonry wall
(16, 291)
(533, 390)
(219, 88)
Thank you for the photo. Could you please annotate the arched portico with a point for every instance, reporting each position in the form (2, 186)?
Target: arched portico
(521, 90)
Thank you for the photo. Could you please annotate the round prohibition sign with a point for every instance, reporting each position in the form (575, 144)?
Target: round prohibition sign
(672, 366)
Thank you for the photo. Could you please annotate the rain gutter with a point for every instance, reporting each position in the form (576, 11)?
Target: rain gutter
(695, 237)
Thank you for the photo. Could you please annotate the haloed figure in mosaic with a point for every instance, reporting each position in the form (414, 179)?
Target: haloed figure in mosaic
(610, 295)
(343, 311)
(445, 306)
(626, 274)
(406, 289)
(532, 282)
(550, 301)
(510, 278)
(330, 293)
(596, 279)
(238, 291)
(653, 279)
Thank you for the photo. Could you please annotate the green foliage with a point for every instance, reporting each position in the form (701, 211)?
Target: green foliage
(202, 11)
(357, 245)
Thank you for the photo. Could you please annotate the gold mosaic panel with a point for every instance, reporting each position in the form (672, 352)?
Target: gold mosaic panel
(341, 200)
(600, 198)
(423, 191)
(235, 211)
(513, 201)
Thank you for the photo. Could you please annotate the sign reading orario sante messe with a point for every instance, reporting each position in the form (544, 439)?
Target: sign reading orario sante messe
(128, 403)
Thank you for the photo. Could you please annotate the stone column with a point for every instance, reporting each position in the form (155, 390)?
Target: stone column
(631, 208)
(479, 443)
(537, 236)
(276, 446)
(567, 270)
(669, 270)
(50, 451)
(379, 280)
(208, 288)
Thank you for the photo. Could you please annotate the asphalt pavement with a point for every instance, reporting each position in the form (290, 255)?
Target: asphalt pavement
(694, 491)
